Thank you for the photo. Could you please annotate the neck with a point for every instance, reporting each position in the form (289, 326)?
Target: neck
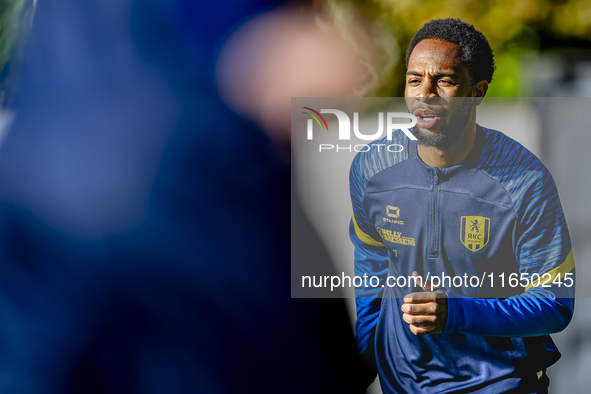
(451, 155)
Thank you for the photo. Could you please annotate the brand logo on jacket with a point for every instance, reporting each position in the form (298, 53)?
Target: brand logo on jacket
(474, 232)
(392, 212)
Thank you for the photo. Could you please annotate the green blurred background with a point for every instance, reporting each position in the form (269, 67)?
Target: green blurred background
(517, 30)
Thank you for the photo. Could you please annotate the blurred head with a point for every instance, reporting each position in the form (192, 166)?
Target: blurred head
(296, 51)
(449, 67)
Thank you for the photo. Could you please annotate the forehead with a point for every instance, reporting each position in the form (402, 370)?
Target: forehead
(436, 55)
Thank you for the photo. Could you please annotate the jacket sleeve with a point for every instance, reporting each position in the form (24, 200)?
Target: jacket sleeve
(371, 259)
(543, 251)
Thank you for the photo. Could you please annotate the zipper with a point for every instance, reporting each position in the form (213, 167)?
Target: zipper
(433, 251)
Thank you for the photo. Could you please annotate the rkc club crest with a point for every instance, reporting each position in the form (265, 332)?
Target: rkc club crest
(474, 232)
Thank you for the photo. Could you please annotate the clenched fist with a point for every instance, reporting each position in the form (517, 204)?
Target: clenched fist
(425, 312)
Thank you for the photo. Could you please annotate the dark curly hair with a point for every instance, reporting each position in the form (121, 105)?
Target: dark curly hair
(475, 49)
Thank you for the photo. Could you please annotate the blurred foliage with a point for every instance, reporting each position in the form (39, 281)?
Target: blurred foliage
(513, 28)
(14, 15)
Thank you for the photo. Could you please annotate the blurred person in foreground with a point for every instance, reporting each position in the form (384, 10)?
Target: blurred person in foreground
(144, 226)
(469, 202)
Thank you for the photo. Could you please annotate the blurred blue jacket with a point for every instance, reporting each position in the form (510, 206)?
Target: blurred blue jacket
(144, 227)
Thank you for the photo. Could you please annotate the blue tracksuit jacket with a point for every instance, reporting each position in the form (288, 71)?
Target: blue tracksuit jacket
(495, 216)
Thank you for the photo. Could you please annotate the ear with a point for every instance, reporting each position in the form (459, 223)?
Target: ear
(479, 91)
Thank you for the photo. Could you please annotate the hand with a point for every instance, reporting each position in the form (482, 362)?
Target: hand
(425, 312)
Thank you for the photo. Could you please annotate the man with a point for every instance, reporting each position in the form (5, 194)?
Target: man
(461, 202)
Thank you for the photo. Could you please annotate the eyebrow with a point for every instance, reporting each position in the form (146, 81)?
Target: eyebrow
(436, 75)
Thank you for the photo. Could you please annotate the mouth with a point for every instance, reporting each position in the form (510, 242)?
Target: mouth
(426, 122)
(426, 119)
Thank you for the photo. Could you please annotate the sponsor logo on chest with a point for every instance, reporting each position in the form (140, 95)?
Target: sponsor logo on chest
(395, 237)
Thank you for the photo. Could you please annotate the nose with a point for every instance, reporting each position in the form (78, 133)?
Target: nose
(427, 90)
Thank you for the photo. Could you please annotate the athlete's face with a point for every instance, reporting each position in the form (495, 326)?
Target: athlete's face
(436, 81)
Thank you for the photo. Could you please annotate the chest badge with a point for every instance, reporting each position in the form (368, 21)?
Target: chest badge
(474, 232)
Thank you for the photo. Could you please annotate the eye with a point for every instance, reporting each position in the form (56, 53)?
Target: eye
(445, 82)
(414, 81)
